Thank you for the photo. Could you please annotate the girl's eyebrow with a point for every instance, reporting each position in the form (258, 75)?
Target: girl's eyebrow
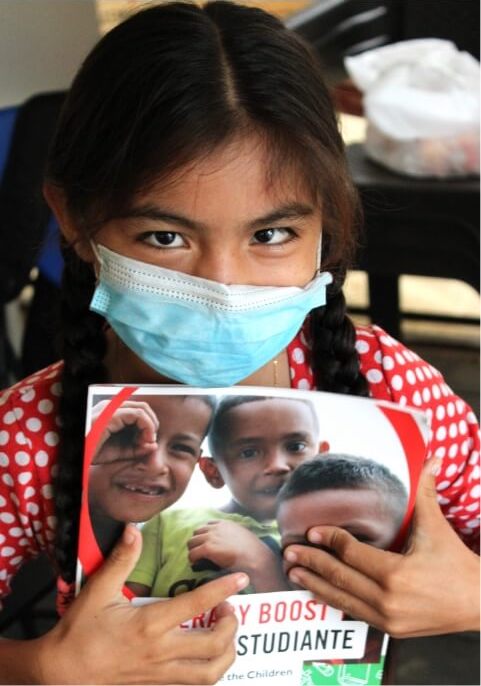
(294, 210)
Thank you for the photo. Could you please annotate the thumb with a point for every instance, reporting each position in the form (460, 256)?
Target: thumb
(107, 583)
(427, 512)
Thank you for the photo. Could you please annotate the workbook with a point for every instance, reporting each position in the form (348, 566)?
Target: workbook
(236, 479)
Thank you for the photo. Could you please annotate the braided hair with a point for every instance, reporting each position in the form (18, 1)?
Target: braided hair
(168, 86)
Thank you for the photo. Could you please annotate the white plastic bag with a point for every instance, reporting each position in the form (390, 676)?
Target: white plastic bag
(421, 100)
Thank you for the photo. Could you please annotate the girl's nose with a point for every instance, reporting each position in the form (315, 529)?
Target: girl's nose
(220, 265)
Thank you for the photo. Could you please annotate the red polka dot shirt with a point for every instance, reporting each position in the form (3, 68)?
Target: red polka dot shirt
(29, 437)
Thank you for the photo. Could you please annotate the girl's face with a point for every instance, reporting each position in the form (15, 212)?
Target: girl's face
(220, 219)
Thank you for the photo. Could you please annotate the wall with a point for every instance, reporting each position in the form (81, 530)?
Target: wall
(42, 43)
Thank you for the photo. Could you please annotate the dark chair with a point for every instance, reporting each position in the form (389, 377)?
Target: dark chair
(25, 223)
(425, 227)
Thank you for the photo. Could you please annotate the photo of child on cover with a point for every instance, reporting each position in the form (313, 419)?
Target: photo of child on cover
(223, 480)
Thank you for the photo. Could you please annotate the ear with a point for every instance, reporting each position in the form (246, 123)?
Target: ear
(209, 469)
(55, 198)
(324, 447)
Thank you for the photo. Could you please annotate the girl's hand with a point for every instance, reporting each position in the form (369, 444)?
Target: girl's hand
(103, 639)
(433, 588)
(130, 413)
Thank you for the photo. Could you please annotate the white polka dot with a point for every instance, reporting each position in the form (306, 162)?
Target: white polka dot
(56, 389)
(23, 541)
(298, 355)
(9, 417)
(22, 458)
(475, 473)
(32, 508)
(387, 362)
(29, 492)
(453, 430)
(426, 395)
(51, 437)
(24, 519)
(473, 524)
(7, 479)
(442, 501)
(453, 451)
(15, 531)
(440, 452)
(435, 391)
(443, 485)
(4, 437)
(403, 401)
(302, 383)
(440, 412)
(18, 412)
(27, 394)
(37, 526)
(471, 418)
(473, 507)
(451, 470)
(397, 382)
(451, 409)
(7, 551)
(409, 355)
(3, 502)
(474, 457)
(24, 478)
(41, 458)
(46, 406)
(400, 359)
(463, 427)
(362, 346)
(47, 491)
(15, 561)
(419, 373)
(374, 376)
(427, 372)
(411, 377)
(475, 491)
(7, 518)
(2, 539)
(429, 414)
(21, 439)
(387, 341)
(417, 398)
(52, 521)
(4, 461)
(441, 433)
(34, 424)
(378, 356)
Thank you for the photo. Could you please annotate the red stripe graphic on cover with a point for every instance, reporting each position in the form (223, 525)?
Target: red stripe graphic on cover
(414, 446)
(90, 554)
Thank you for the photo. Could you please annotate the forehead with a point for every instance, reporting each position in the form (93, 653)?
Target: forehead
(177, 407)
(278, 413)
(340, 505)
(244, 173)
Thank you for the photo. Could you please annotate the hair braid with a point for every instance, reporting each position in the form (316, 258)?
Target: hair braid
(335, 361)
(84, 348)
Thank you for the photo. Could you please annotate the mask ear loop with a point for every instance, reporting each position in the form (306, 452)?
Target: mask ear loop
(319, 255)
(98, 264)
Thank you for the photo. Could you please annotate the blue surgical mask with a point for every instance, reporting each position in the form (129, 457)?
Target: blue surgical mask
(194, 330)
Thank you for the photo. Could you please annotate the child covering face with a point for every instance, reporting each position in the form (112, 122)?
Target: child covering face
(353, 493)
(146, 458)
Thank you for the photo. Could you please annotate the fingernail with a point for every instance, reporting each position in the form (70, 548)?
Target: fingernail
(129, 535)
(242, 581)
(290, 556)
(314, 536)
(294, 578)
(435, 465)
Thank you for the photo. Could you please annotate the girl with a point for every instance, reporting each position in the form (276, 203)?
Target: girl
(196, 172)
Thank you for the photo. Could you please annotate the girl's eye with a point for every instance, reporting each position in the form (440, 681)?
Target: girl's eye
(273, 236)
(163, 239)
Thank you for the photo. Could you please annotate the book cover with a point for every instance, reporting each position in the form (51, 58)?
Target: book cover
(223, 480)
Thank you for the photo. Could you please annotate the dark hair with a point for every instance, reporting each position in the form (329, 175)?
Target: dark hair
(169, 85)
(331, 471)
(220, 426)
